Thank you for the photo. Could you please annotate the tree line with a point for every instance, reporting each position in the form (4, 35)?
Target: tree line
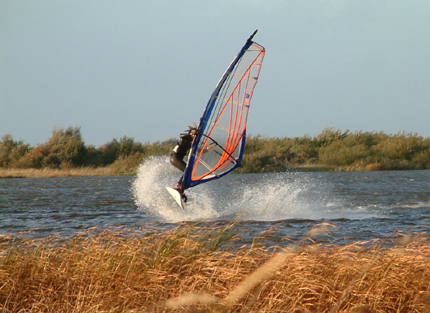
(338, 150)
(66, 149)
(332, 149)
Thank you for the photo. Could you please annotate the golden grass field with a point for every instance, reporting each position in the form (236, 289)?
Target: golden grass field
(50, 172)
(199, 269)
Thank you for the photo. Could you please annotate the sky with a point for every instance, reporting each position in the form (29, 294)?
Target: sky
(146, 69)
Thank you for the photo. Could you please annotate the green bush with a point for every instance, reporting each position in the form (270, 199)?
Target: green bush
(331, 149)
(400, 147)
(127, 165)
(421, 160)
(339, 154)
(122, 148)
(64, 147)
(12, 151)
(329, 135)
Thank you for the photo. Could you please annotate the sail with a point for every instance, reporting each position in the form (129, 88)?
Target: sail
(220, 138)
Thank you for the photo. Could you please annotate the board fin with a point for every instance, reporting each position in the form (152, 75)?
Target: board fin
(177, 196)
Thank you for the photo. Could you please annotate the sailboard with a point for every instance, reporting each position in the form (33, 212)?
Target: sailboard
(177, 196)
(220, 137)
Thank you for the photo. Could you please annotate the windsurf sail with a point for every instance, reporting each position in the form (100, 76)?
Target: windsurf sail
(220, 137)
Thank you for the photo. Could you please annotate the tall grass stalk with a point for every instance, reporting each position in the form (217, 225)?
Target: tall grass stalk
(176, 271)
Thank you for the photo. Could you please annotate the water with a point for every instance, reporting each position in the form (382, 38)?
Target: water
(362, 205)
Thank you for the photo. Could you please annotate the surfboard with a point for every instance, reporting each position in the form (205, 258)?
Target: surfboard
(177, 196)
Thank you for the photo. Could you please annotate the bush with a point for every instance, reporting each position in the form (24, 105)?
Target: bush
(401, 146)
(64, 146)
(160, 148)
(331, 150)
(122, 148)
(341, 153)
(329, 135)
(421, 160)
(12, 151)
(127, 165)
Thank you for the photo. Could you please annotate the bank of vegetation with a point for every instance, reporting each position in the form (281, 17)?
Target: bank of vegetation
(338, 150)
(199, 269)
(66, 153)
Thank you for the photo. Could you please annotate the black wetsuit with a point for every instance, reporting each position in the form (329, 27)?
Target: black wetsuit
(180, 151)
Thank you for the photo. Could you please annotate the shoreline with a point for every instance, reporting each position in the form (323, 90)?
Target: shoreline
(51, 173)
(109, 171)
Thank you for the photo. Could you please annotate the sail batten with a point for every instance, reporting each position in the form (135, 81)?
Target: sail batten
(218, 147)
(233, 102)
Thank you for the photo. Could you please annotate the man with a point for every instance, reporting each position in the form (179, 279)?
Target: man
(178, 155)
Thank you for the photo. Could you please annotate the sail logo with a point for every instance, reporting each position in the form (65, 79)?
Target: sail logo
(247, 97)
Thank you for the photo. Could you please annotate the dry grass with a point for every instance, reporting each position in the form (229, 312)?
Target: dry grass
(374, 167)
(195, 269)
(49, 172)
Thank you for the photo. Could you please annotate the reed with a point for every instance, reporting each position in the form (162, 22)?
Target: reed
(196, 268)
(55, 172)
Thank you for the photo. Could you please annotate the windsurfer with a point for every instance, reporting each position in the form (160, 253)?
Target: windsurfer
(179, 152)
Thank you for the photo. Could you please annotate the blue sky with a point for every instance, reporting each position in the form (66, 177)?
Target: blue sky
(145, 69)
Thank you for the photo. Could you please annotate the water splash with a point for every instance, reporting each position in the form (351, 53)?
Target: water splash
(150, 194)
(273, 197)
(258, 197)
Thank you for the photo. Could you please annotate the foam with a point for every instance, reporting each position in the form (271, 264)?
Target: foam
(150, 194)
(270, 197)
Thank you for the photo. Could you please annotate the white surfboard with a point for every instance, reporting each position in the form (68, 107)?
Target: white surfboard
(177, 196)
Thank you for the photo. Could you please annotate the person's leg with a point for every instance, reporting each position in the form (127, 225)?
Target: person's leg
(178, 163)
(181, 165)
(178, 185)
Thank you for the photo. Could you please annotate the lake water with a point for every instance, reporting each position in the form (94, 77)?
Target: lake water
(362, 205)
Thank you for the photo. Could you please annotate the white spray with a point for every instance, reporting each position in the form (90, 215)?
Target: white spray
(151, 196)
(264, 197)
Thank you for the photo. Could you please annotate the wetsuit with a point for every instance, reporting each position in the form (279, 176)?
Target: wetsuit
(180, 151)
